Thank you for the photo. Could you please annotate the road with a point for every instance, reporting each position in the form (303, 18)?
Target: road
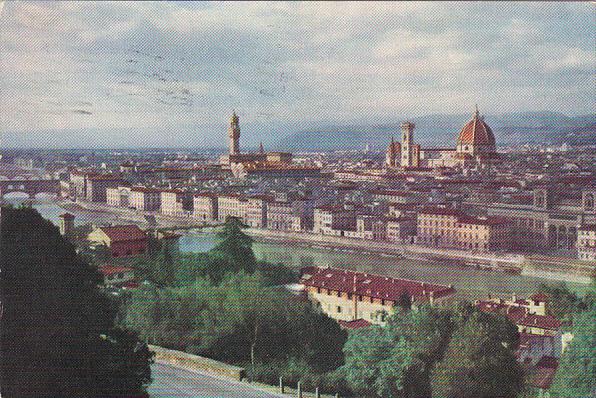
(172, 382)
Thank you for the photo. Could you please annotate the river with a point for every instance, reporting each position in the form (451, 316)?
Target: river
(469, 282)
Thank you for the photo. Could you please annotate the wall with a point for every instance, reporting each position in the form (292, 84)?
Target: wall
(195, 362)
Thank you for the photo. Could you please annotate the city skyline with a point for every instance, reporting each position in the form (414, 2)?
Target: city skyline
(159, 73)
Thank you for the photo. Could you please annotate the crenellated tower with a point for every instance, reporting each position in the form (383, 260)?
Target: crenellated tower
(407, 144)
(234, 134)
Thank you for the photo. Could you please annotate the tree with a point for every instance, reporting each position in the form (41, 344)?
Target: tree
(58, 336)
(239, 320)
(479, 361)
(562, 302)
(576, 375)
(396, 360)
(233, 253)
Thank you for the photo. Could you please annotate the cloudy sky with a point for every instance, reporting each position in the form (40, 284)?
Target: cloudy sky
(170, 73)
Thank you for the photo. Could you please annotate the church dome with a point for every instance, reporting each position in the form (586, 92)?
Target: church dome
(476, 133)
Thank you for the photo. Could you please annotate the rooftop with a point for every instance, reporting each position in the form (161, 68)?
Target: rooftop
(122, 233)
(371, 285)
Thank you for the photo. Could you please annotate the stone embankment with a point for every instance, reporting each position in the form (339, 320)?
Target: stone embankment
(196, 363)
(556, 268)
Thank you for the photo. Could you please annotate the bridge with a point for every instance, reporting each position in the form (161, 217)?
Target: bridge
(29, 187)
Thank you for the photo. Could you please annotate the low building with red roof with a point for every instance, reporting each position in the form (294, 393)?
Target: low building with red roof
(355, 324)
(121, 240)
(115, 276)
(531, 318)
(541, 375)
(349, 295)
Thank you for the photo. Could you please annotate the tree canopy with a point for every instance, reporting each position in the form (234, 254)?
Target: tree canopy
(576, 375)
(237, 320)
(479, 361)
(396, 360)
(58, 336)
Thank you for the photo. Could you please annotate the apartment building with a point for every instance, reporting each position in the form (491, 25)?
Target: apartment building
(586, 242)
(145, 199)
(348, 295)
(449, 228)
(176, 202)
(334, 220)
(231, 205)
(118, 196)
(205, 206)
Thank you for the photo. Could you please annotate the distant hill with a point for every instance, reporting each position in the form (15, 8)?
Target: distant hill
(443, 129)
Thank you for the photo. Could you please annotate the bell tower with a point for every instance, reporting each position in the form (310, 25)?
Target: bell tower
(407, 143)
(234, 134)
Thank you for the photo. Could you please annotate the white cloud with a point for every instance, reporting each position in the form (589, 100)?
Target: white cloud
(285, 61)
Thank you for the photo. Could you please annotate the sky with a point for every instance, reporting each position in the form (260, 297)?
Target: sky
(170, 73)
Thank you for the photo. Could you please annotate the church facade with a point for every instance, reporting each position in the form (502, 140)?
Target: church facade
(475, 147)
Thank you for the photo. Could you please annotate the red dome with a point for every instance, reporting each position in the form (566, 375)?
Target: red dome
(476, 132)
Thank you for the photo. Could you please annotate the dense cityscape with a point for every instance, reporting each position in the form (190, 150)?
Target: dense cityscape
(471, 207)
(252, 212)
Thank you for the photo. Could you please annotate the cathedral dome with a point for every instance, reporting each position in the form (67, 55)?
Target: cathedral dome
(476, 133)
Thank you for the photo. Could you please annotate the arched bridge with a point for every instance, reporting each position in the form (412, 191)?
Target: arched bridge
(30, 187)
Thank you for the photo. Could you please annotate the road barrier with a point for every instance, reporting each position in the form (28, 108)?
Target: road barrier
(195, 362)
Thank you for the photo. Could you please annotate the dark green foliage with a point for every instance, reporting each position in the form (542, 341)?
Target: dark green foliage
(427, 352)
(396, 360)
(233, 253)
(276, 274)
(236, 321)
(563, 303)
(479, 361)
(576, 375)
(58, 337)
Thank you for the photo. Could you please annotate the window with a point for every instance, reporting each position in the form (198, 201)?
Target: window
(360, 298)
(338, 309)
(328, 292)
(349, 296)
(372, 300)
(338, 294)
(319, 290)
(382, 301)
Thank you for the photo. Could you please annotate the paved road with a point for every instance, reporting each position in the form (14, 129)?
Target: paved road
(172, 382)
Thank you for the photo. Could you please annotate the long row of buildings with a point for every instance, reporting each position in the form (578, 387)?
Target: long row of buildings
(389, 215)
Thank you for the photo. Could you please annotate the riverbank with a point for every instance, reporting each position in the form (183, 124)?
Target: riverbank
(561, 269)
(546, 267)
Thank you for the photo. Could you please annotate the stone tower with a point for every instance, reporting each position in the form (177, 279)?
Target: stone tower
(66, 224)
(407, 143)
(234, 134)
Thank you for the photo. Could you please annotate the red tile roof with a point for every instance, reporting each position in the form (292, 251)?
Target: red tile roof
(476, 132)
(440, 211)
(110, 270)
(540, 321)
(370, 285)
(540, 297)
(543, 373)
(355, 324)
(123, 233)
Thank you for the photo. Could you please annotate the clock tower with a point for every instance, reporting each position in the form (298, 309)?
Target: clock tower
(234, 134)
